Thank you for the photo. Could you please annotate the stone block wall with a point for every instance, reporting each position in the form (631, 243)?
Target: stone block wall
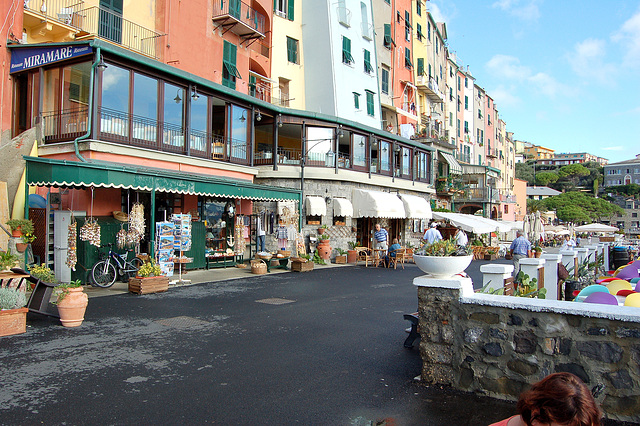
(499, 345)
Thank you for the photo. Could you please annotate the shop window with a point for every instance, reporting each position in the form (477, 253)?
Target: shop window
(339, 220)
(314, 220)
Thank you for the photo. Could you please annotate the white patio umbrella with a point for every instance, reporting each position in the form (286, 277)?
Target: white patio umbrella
(595, 227)
(572, 232)
(526, 226)
(538, 227)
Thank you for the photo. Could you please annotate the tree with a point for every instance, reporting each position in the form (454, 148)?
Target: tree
(525, 171)
(545, 178)
(580, 207)
(572, 173)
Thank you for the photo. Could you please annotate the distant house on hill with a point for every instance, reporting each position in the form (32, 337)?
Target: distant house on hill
(622, 172)
(540, 192)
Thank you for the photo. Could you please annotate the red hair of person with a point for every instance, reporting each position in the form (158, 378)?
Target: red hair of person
(559, 398)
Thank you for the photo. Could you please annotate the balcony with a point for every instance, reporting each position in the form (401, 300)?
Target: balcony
(492, 153)
(430, 89)
(239, 18)
(477, 195)
(54, 20)
(344, 16)
(367, 31)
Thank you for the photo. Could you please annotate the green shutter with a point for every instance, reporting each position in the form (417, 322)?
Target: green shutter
(346, 50)
(290, 8)
(356, 100)
(407, 58)
(370, 103)
(388, 41)
(420, 66)
(367, 62)
(292, 50)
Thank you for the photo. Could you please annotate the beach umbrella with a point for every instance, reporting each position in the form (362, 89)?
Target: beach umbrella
(595, 227)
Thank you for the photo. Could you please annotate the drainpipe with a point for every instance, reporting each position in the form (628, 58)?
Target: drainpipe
(90, 113)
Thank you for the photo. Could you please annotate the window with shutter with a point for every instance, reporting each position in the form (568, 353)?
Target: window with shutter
(346, 50)
(370, 103)
(367, 62)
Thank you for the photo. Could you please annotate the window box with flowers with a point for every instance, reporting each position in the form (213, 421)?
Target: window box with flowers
(149, 280)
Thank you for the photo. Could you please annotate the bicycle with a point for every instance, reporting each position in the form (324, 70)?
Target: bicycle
(105, 272)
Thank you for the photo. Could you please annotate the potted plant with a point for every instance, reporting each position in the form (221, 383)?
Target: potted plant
(43, 273)
(324, 247)
(491, 254)
(13, 314)
(537, 250)
(8, 260)
(72, 303)
(341, 257)
(352, 254)
(442, 259)
(149, 279)
(20, 227)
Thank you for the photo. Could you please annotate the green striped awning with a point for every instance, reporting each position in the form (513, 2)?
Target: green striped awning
(63, 173)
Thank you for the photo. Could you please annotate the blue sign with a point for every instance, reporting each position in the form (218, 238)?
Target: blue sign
(24, 59)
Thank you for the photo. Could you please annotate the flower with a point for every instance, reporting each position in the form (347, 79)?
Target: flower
(28, 237)
(43, 273)
(149, 269)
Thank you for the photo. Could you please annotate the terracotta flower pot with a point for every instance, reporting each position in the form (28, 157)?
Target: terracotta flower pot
(21, 247)
(352, 256)
(73, 306)
(17, 233)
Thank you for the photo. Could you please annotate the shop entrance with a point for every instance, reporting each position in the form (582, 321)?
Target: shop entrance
(365, 227)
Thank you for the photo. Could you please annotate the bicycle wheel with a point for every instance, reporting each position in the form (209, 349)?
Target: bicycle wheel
(132, 267)
(104, 274)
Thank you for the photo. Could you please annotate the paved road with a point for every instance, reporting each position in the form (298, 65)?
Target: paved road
(317, 348)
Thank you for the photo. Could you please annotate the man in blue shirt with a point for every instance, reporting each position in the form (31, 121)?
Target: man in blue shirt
(520, 248)
(381, 237)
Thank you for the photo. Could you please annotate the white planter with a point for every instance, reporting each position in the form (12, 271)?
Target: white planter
(442, 267)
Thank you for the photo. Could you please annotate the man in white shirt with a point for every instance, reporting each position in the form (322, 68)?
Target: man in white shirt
(461, 238)
(432, 235)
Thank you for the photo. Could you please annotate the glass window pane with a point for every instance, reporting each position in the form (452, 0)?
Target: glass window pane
(114, 115)
(406, 160)
(238, 143)
(359, 150)
(145, 107)
(320, 145)
(199, 123)
(384, 156)
(173, 110)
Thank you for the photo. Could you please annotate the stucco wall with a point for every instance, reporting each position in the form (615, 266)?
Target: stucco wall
(498, 345)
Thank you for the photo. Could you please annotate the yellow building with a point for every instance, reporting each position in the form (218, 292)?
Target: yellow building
(535, 152)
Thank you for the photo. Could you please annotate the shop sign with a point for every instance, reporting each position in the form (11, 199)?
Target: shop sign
(24, 59)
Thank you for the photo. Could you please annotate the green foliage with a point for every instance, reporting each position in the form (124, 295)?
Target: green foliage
(11, 298)
(64, 289)
(324, 236)
(525, 171)
(528, 287)
(545, 178)
(43, 273)
(317, 259)
(631, 189)
(579, 207)
(7, 260)
(341, 252)
(442, 248)
(24, 224)
(149, 269)
(352, 245)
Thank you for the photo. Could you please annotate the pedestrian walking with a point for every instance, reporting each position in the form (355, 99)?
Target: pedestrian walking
(381, 237)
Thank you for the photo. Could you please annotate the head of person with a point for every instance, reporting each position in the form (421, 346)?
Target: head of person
(566, 237)
(518, 234)
(377, 226)
(433, 224)
(395, 241)
(559, 399)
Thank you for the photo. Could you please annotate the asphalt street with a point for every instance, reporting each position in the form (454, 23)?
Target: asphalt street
(323, 347)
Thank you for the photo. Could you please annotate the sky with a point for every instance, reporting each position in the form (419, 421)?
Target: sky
(564, 74)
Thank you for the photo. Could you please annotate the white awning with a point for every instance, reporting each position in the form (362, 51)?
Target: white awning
(315, 206)
(416, 207)
(342, 207)
(469, 222)
(289, 205)
(377, 204)
(454, 167)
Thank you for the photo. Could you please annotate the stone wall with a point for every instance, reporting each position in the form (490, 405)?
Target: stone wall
(498, 345)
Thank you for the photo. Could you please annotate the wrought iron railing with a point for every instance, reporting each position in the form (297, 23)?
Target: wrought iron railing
(63, 11)
(241, 12)
(112, 26)
(64, 124)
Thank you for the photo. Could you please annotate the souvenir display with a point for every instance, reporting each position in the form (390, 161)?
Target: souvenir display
(90, 232)
(72, 234)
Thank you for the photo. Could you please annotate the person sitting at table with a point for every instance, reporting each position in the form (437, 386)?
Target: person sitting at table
(392, 251)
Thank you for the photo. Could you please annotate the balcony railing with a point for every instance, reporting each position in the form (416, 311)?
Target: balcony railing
(64, 125)
(239, 17)
(63, 11)
(106, 24)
